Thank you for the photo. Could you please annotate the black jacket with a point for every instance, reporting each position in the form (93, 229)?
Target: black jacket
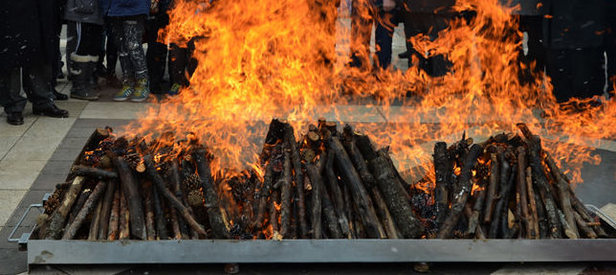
(571, 24)
(27, 32)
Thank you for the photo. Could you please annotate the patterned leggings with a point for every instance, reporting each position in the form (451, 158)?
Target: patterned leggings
(128, 33)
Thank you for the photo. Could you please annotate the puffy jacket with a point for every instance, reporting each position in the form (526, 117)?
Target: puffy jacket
(571, 24)
(429, 6)
(87, 11)
(125, 7)
(527, 7)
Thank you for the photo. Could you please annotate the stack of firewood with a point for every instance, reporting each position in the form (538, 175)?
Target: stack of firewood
(505, 187)
(326, 184)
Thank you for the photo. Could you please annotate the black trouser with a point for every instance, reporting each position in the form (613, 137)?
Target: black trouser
(576, 72)
(36, 81)
(385, 24)
(610, 45)
(156, 55)
(532, 25)
(428, 24)
(110, 51)
(128, 32)
(181, 64)
(88, 38)
(56, 67)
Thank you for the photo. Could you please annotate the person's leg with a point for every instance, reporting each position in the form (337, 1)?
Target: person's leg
(384, 35)
(83, 60)
(156, 55)
(413, 25)
(128, 76)
(71, 45)
(133, 30)
(587, 71)
(361, 30)
(37, 85)
(438, 64)
(10, 98)
(178, 60)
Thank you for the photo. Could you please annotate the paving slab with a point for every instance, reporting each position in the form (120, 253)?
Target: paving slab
(19, 174)
(9, 199)
(6, 143)
(50, 127)
(115, 110)
(33, 148)
(7, 130)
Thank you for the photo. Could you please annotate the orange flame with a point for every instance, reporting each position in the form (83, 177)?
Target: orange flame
(260, 59)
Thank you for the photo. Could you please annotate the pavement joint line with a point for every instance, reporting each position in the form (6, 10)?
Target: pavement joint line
(18, 140)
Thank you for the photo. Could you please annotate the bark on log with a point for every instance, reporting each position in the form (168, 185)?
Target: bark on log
(299, 180)
(533, 217)
(286, 193)
(357, 189)
(498, 215)
(461, 196)
(218, 221)
(114, 217)
(443, 168)
(58, 217)
(563, 195)
(273, 214)
(103, 228)
(473, 220)
(91, 172)
(317, 192)
(124, 229)
(491, 195)
(83, 197)
(95, 223)
(369, 181)
(583, 211)
(338, 198)
(587, 230)
(133, 198)
(177, 204)
(522, 194)
(149, 211)
(331, 221)
(263, 195)
(159, 214)
(91, 202)
(175, 224)
(534, 145)
(542, 220)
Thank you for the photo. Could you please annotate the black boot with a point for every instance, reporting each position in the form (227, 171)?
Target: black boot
(50, 111)
(82, 72)
(57, 95)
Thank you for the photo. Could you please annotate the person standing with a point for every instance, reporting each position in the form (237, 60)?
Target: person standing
(128, 23)
(574, 32)
(28, 29)
(87, 17)
(156, 56)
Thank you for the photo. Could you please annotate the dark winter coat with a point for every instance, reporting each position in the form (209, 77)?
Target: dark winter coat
(27, 32)
(85, 11)
(571, 24)
(125, 7)
(526, 7)
(429, 6)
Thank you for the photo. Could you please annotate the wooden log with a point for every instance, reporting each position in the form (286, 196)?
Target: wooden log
(498, 215)
(522, 196)
(217, 218)
(337, 197)
(368, 179)
(583, 226)
(331, 220)
(533, 218)
(473, 220)
(83, 197)
(491, 195)
(563, 197)
(124, 229)
(263, 195)
(114, 217)
(541, 218)
(177, 204)
(175, 224)
(275, 134)
(92, 143)
(286, 192)
(583, 211)
(149, 211)
(358, 191)
(443, 169)
(534, 146)
(58, 217)
(95, 223)
(289, 136)
(508, 226)
(461, 195)
(91, 172)
(90, 204)
(317, 192)
(159, 215)
(133, 198)
(273, 214)
(348, 207)
(106, 210)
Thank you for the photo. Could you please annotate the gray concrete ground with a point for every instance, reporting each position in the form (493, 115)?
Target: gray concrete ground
(37, 155)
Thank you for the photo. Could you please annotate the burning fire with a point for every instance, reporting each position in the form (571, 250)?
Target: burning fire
(260, 59)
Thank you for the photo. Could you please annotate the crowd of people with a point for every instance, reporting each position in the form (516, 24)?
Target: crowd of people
(570, 40)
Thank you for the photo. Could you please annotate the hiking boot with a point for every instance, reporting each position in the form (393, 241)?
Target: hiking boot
(141, 91)
(81, 71)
